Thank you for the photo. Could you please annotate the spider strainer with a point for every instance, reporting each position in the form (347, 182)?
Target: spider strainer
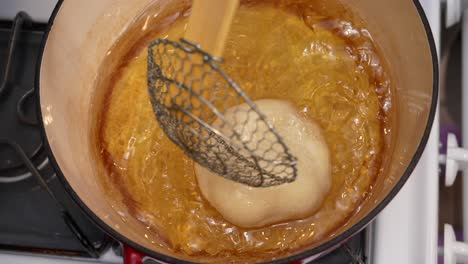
(195, 104)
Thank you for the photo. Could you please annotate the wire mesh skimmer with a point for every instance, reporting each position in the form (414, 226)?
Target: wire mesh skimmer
(194, 102)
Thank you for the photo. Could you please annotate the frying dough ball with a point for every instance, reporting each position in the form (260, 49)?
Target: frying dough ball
(255, 207)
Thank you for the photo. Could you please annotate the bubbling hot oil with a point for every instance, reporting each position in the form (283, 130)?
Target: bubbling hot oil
(329, 69)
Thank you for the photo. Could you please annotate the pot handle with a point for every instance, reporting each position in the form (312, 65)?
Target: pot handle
(131, 256)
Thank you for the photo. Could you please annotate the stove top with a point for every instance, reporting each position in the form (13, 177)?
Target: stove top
(33, 226)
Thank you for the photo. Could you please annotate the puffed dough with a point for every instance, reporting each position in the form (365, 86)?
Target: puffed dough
(250, 207)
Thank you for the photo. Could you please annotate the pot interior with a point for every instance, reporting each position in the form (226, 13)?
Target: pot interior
(84, 31)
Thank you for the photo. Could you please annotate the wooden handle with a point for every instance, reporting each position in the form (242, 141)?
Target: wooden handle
(209, 24)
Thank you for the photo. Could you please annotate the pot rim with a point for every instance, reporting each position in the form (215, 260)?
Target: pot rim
(325, 247)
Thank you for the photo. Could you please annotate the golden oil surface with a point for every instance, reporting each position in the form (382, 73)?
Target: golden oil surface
(326, 67)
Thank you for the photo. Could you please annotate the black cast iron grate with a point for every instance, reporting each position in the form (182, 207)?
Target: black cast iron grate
(36, 215)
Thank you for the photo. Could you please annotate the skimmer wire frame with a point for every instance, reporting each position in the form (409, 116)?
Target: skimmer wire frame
(204, 112)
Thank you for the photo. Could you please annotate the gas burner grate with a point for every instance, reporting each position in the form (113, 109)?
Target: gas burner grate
(17, 110)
